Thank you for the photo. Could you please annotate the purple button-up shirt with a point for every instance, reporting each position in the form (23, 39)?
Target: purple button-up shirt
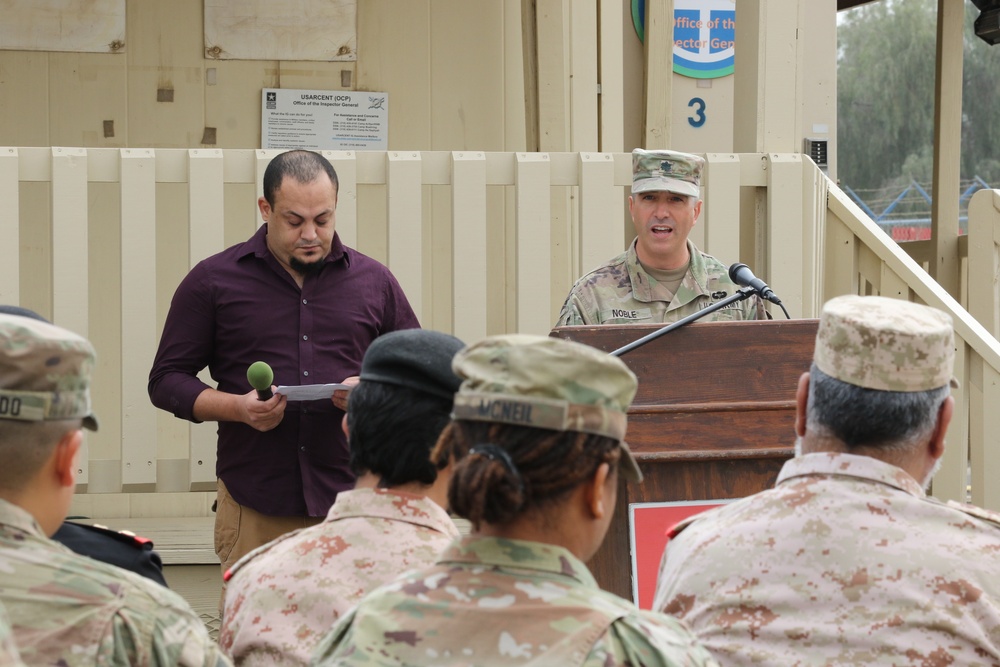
(242, 306)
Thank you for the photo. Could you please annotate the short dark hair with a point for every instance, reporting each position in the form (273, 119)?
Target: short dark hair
(862, 417)
(392, 431)
(535, 468)
(304, 166)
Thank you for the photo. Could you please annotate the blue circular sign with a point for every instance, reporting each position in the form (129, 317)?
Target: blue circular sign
(704, 36)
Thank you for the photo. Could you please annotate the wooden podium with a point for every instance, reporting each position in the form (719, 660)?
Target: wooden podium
(713, 418)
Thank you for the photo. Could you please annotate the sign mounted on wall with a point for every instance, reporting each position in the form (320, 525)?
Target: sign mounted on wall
(96, 26)
(281, 30)
(324, 119)
(704, 36)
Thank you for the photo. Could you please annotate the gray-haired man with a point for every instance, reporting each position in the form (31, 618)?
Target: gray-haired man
(846, 561)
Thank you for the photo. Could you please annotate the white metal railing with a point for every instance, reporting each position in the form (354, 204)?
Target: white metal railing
(482, 243)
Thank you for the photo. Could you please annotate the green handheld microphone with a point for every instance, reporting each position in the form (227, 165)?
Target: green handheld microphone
(260, 376)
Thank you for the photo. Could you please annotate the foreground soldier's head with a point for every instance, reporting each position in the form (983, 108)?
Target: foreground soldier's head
(398, 409)
(879, 384)
(44, 400)
(543, 422)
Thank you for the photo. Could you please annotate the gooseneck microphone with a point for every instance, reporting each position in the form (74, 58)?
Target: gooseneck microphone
(744, 277)
(260, 376)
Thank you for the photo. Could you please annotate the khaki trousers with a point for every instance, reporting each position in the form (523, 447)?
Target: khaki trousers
(239, 529)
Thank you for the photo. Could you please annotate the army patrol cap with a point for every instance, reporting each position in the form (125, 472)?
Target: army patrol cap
(547, 383)
(885, 344)
(415, 358)
(668, 171)
(44, 372)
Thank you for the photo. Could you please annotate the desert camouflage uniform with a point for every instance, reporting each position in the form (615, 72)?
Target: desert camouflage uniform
(283, 597)
(491, 601)
(71, 610)
(621, 292)
(9, 656)
(844, 562)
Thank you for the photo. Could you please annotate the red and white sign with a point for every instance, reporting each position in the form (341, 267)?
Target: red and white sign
(648, 525)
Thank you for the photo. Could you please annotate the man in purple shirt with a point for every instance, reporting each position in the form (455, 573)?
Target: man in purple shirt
(296, 298)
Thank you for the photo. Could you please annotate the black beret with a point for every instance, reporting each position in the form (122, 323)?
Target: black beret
(415, 358)
(21, 312)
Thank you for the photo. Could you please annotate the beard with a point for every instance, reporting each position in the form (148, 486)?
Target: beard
(306, 268)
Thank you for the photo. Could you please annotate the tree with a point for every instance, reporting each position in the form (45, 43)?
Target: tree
(885, 100)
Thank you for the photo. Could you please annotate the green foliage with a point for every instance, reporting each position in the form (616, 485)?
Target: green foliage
(885, 99)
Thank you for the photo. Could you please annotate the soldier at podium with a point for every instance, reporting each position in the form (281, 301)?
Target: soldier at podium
(846, 560)
(662, 277)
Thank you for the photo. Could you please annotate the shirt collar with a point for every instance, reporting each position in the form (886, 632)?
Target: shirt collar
(692, 286)
(851, 465)
(14, 516)
(393, 505)
(519, 555)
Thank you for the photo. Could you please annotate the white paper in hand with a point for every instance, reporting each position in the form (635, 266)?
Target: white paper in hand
(310, 392)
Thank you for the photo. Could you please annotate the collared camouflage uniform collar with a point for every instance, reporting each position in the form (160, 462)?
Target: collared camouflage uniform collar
(646, 289)
(851, 465)
(518, 555)
(393, 505)
(13, 516)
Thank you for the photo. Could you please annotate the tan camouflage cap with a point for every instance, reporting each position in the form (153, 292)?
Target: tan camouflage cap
(44, 372)
(548, 383)
(666, 170)
(886, 344)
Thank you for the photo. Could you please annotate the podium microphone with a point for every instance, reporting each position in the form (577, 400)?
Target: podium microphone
(260, 376)
(744, 277)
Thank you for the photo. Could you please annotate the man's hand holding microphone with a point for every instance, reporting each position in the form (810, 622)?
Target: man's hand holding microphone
(262, 408)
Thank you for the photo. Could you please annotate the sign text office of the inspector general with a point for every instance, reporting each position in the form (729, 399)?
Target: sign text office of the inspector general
(704, 36)
(324, 119)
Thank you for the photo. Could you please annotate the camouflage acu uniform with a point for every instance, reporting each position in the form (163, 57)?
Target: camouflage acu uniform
(491, 601)
(9, 657)
(71, 610)
(621, 292)
(283, 597)
(844, 562)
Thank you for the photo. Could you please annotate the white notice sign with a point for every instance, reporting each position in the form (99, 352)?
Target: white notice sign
(324, 119)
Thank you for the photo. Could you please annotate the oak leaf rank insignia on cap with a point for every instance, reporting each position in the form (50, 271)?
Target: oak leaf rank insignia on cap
(667, 171)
